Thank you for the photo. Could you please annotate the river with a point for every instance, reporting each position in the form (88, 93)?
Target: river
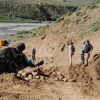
(13, 28)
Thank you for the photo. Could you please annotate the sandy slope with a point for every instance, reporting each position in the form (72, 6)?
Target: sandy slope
(15, 89)
(53, 49)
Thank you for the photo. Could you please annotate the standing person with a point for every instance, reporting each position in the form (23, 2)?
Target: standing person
(71, 51)
(82, 52)
(33, 54)
(87, 51)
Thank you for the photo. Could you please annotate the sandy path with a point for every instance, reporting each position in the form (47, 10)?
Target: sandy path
(42, 90)
(57, 91)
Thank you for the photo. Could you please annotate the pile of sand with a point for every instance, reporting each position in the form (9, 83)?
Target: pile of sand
(87, 78)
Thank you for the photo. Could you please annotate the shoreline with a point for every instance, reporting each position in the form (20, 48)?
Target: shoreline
(11, 29)
(19, 20)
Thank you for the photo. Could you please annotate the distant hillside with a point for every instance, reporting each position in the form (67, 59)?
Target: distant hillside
(77, 2)
(60, 2)
(28, 9)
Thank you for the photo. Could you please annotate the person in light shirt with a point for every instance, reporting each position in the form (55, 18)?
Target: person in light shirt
(71, 51)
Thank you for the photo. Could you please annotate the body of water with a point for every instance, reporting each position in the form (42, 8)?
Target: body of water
(13, 28)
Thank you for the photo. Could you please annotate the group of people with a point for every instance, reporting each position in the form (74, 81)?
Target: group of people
(85, 52)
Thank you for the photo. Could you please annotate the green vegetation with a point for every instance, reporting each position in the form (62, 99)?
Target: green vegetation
(76, 2)
(20, 36)
(78, 13)
(12, 34)
(56, 2)
(23, 32)
(67, 21)
(83, 13)
(59, 19)
(16, 19)
(92, 4)
(17, 37)
(81, 36)
(96, 26)
(42, 29)
(34, 34)
(98, 1)
(69, 13)
(29, 11)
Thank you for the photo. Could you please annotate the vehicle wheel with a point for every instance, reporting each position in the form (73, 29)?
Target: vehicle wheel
(20, 46)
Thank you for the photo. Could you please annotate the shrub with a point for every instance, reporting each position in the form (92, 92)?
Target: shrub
(42, 29)
(23, 32)
(66, 21)
(79, 8)
(77, 21)
(69, 13)
(81, 36)
(59, 19)
(34, 34)
(12, 34)
(96, 26)
(83, 13)
(91, 4)
(85, 32)
(62, 23)
(19, 36)
(99, 18)
(98, 1)
(78, 13)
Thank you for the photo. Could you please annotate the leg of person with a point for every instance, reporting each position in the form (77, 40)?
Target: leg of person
(88, 56)
(86, 59)
(70, 58)
(82, 58)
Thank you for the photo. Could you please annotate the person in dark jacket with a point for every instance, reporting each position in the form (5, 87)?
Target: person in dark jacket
(33, 54)
(87, 51)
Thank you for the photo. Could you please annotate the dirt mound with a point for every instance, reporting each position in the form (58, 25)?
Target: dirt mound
(95, 69)
(87, 78)
(8, 86)
(85, 82)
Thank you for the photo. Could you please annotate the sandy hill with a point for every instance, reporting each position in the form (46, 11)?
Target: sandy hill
(52, 48)
(65, 82)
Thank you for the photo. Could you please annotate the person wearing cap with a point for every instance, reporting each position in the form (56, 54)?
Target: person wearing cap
(87, 51)
(82, 52)
(71, 51)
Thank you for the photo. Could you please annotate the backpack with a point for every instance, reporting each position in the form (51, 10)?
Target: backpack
(73, 48)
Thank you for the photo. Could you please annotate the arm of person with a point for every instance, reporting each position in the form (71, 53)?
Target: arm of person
(91, 49)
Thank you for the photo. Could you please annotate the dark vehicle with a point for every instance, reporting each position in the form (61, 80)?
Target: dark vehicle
(12, 57)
